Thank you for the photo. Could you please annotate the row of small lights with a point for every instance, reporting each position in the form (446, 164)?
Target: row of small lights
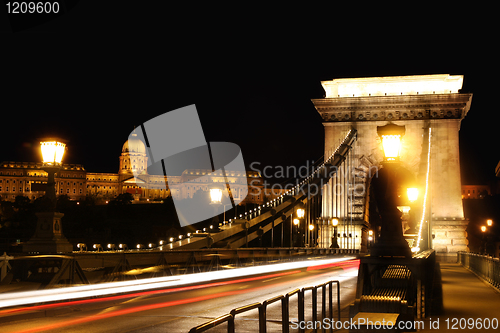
(296, 186)
(121, 246)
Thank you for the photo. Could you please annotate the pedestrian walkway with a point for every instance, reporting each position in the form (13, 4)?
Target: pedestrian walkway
(468, 302)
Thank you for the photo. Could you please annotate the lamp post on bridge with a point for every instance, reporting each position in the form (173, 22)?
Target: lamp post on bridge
(391, 241)
(48, 236)
(335, 223)
(486, 231)
(300, 212)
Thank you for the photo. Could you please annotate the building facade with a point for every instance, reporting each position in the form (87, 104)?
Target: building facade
(29, 179)
(475, 191)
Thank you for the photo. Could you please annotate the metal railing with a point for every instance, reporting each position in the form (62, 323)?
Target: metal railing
(488, 268)
(285, 309)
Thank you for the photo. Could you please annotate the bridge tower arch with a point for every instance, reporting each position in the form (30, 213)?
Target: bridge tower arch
(431, 108)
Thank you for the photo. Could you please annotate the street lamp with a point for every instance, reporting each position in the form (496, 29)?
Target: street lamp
(391, 241)
(489, 222)
(216, 196)
(216, 200)
(483, 245)
(300, 213)
(335, 223)
(48, 236)
(52, 154)
(311, 236)
(391, 135)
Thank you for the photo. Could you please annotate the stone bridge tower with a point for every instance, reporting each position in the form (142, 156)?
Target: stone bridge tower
(431, 108)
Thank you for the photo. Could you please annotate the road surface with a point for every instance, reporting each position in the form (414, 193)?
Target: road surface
(179, 308)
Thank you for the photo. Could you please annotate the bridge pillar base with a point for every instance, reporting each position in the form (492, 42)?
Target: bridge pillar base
(449, 237)
(48, 236)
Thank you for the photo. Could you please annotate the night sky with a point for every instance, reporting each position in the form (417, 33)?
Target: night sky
(253, 88)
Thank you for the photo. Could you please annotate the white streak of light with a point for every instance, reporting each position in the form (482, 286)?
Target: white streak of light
(51, 295)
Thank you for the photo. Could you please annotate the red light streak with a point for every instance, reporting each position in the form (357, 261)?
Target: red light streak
(343, 264)
(144, 293)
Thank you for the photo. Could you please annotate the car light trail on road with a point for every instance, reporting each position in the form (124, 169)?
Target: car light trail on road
(146, 293)
(351, 264)
(103, 289)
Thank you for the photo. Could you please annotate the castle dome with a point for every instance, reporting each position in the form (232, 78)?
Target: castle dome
(134, 145)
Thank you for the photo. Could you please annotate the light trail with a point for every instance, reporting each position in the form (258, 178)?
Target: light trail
(71, 322)
(417, 247)
(71, 293)
(144, 293)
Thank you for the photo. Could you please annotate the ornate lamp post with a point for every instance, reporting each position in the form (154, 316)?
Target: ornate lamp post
(300, 213)
(216, 200)
(335, 223)
(391, 241)
(487, 238)
(48, 236)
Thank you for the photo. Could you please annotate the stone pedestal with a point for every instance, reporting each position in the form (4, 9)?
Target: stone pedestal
(449, 237)
(48, 236)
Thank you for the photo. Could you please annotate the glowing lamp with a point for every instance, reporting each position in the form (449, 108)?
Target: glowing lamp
(391, 135)
(392, 145)
(412, 194)
(216, 195)
(311, 227)
(296, 221)
(52, 152)
(335, 222)
(300, 213)
(489, 222)
(483, 228)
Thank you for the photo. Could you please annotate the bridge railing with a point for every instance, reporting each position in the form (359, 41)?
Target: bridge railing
(295, 190)
(486, 267)
(285, 309)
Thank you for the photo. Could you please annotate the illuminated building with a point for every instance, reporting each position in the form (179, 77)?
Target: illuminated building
(28, 179)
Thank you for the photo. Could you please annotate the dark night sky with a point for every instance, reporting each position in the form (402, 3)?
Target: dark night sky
(251, 88)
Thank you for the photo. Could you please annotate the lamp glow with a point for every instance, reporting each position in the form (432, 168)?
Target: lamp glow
(489, 222)
(335, 222)
(296, 221)
(52, 152)
(391, 135)
(300, 213)
(392, 145)
(412, 194)
(483, 228)
(216, 195)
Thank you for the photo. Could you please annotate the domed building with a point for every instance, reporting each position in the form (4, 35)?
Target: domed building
(133, 158)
